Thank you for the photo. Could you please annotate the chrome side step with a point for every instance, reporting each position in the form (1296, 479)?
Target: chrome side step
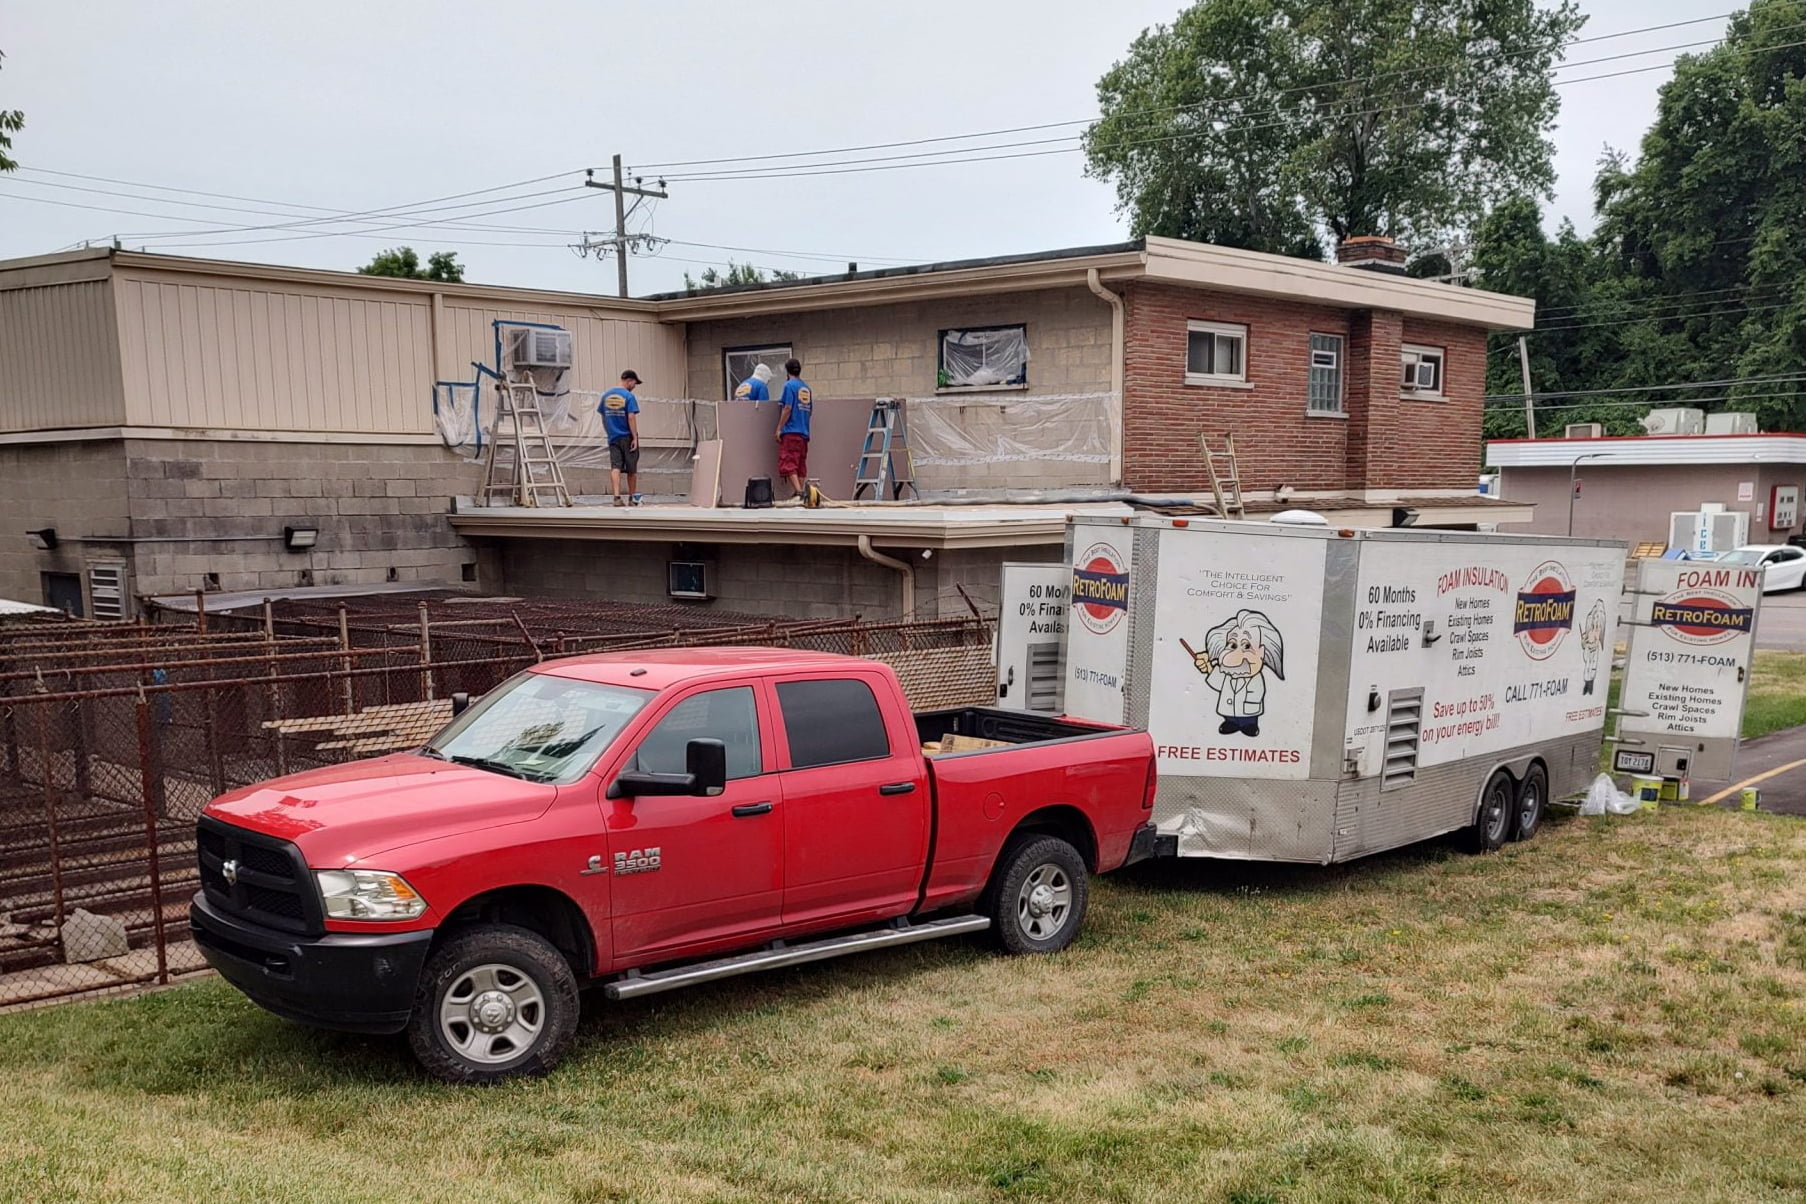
(636, 985)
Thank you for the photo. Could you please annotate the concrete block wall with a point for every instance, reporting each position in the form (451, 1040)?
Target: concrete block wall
(77, 488)
(893, 351)
(219, 507)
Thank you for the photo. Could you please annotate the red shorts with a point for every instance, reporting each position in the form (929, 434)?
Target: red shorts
(793, 455)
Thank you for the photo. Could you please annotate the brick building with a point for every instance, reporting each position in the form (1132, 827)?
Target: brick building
(174, 423)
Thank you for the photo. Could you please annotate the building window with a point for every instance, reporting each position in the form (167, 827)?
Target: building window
(738, 364)
(1325, 387)
(983, 357)
(1215, 353)
(1422, 371)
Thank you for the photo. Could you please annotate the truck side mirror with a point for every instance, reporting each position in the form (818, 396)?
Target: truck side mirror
(706, 761)
(460, 703)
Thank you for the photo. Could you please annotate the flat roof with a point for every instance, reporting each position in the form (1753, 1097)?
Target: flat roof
(1648, 450)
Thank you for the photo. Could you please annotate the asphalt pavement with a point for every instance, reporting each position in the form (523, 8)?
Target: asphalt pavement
(1775, 765)
(1781, 624)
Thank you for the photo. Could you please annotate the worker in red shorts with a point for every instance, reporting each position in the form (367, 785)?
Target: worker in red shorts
(795, 408)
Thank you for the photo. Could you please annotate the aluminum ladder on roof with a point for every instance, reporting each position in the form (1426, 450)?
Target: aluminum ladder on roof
(521, 468)
(886, 440)
(1225, 486)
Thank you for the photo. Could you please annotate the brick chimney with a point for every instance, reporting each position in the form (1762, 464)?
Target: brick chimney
(1373, 252)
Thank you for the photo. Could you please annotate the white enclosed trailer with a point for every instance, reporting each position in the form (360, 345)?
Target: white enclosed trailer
(1317, 694)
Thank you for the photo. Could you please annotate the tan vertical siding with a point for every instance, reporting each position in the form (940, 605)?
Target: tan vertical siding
(59, 359)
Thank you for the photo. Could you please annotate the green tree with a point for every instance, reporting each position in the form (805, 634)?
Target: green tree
(1267, 124)
(736, 273)
(11, 122)
(1704, 239)
(405, 262)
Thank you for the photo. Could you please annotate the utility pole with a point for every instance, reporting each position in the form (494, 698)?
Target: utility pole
(1529, 403)
(621, 242)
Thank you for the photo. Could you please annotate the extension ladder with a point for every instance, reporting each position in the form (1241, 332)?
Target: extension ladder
(1226, 486)
(884, 458)
(520, 467)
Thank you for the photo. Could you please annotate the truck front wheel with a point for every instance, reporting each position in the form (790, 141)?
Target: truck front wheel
(494, 1003)
(1038, 905)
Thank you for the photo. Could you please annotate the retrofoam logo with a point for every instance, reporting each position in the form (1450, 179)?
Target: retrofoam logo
(1545, 610)
(1702, 616)
(1100, 588)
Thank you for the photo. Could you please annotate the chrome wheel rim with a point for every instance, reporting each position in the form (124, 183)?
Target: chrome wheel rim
(1498, 809)
(492, 1013)
(1044, 902)
(1530, 811)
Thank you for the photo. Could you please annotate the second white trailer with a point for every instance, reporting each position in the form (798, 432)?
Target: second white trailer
(1318, 694)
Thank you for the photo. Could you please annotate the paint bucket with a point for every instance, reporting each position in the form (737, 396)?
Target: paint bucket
(1675, 790)
(1749, 799)
(1646, 789)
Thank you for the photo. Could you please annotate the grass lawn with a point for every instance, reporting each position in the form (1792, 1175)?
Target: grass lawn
(1612, 1012)
(1777, 697)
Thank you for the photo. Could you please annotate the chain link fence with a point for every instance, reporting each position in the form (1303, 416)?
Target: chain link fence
(113, 737)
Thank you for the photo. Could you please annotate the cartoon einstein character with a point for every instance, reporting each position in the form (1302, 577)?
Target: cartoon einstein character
(1238, 653)
(1592, 643)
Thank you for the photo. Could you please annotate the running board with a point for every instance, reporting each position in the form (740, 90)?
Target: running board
(636, 985)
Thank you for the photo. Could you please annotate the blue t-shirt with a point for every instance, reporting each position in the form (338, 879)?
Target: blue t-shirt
(617, 403)
(752, 389)
(796, 396)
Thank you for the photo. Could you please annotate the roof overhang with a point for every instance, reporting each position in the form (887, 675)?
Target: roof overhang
(907, 526)
(1226, 269)
(1647, 450)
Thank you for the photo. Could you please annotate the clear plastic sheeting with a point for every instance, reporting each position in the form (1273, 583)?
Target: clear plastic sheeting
(1604, 798)
(465, 417)
(960, 432)
(997, 356)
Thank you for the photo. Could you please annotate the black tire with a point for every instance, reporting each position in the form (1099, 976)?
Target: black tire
(1492, 822)
(1039, 895)
(1532, 802)
(494, 1003)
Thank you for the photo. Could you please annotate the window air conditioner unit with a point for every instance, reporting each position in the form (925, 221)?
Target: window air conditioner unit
(1676, 420)
(1731, 424)
(690, 579)
(1420, 375)
(1584, 430)
(534, 347)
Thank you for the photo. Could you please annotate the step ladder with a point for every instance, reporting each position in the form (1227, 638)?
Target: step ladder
(1226, 485)
(520, 468)
(884, 459)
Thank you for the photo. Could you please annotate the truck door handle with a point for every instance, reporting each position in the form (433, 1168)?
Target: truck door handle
(746, 809)
(898, 788)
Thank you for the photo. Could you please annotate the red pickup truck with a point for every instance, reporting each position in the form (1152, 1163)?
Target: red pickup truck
(646, 821)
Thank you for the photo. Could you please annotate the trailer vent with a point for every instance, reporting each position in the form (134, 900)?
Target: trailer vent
(106, 589)
(1404, 718)
(1044, 676)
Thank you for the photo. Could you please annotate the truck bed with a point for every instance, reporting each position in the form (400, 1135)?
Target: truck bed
(991, 723)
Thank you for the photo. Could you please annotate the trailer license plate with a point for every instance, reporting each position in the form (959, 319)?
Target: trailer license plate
(1625, 761)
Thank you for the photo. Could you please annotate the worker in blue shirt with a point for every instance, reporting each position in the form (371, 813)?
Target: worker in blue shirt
(795, 407)
(753, 387)
(620, 411)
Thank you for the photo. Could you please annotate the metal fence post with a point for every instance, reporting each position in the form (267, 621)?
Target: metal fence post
(153, 804)
(345, 645)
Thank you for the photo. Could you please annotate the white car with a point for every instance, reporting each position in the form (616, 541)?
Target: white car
(1783, 565)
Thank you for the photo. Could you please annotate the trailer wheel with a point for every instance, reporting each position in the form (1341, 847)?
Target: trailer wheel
(1493, 822)
(1533, 797)
(1038, 904)
(496, 1002)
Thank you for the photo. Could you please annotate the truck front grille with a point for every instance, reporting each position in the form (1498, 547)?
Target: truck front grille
(273, 884)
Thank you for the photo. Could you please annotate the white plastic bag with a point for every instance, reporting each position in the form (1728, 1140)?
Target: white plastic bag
(1604, 798)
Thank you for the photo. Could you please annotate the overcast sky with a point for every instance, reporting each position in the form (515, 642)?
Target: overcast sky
(384, 105)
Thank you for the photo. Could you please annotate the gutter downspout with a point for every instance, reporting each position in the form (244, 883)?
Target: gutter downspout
(891, 562)
(1116, 370)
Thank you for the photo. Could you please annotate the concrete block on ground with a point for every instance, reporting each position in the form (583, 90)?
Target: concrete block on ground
(89, 938)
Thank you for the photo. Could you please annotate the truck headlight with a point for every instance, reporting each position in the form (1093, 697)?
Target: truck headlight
(368, 895)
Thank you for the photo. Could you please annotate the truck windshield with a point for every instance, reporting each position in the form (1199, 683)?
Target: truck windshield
(539, 727)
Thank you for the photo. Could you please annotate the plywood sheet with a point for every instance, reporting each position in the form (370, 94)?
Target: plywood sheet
(705, 474)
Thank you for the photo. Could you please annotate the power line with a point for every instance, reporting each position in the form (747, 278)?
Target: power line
(1697, 384)
(843, 150)
(1673, 402)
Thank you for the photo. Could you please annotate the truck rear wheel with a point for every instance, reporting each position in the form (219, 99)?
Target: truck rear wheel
(1532, 798)
(1038, 904)
(494, 1003)
(1492, 824)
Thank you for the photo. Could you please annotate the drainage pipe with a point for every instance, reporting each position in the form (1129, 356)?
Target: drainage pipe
(1116, 368)
(890, 562)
